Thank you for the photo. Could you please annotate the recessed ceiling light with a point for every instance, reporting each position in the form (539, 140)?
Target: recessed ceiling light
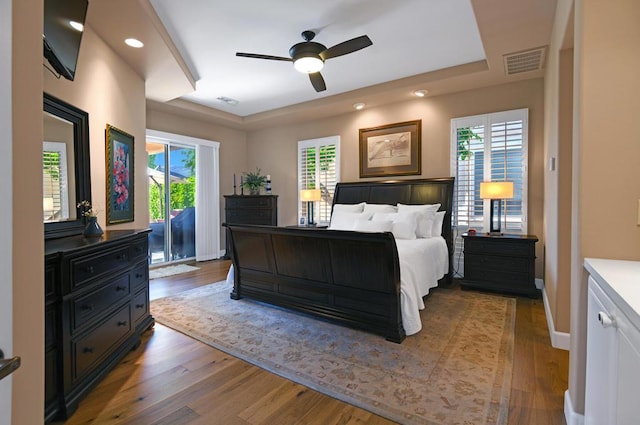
(134, 43)
(358, 105)
(421, 93)
(76, 26)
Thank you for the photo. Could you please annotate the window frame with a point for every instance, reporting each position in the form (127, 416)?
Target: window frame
(318, 144)
(487, 121)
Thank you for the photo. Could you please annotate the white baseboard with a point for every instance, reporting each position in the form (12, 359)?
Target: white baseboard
(570, 415)
(559, 340)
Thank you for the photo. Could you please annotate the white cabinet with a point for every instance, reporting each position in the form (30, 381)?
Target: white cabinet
(612, 394)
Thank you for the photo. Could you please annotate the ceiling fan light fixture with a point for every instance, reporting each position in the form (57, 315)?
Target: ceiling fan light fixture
(358, 106)
(421, 93)
(308, 64)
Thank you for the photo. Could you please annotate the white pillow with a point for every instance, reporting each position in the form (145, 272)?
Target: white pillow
(426, 218)
(380, 208)
(374, 226)
(436, 230)
(344, 220)
(356, 208)
(404, 224)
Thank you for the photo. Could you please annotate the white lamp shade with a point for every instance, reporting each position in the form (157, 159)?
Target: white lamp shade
(47, 204)
(310, 195)
(496, 190)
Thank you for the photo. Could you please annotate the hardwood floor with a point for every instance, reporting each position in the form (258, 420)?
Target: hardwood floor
(173, 379)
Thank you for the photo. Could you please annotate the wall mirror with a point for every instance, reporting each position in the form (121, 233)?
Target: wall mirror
(66, 174)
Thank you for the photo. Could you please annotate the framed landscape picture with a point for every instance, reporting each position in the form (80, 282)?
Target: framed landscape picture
(119, 175)
(391, 150)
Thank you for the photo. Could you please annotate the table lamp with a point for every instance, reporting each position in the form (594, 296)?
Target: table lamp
(310, 196)
(496, 192)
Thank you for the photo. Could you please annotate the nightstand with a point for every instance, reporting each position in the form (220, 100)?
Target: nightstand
(504, 263)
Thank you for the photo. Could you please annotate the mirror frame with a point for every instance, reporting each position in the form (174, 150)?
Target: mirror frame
(80, 121)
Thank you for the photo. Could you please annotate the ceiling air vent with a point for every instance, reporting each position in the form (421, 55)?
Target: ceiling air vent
(525, 61)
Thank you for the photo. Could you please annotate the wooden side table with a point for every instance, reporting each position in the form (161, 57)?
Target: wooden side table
(504, 263)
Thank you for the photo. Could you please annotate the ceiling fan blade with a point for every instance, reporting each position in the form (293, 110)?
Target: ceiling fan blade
(317, 81)
(257, 56)
(346, 47)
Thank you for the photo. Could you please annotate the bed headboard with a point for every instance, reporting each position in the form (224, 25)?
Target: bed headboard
(420, 191)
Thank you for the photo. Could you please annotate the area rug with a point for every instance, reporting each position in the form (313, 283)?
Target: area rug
(457, 370)
(170, 270)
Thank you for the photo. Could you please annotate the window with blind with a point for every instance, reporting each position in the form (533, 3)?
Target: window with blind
(55, 197)
(318, 168)
(490, 147)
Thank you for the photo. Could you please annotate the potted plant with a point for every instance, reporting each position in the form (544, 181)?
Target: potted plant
(254, 181)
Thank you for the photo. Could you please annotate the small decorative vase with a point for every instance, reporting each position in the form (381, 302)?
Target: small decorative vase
(92, 229)
(254, 191)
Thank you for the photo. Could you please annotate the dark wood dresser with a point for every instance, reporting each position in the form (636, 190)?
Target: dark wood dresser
(504, 263)
(96, 308)
(250, 209)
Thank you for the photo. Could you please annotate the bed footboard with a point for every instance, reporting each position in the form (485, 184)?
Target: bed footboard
(351, 278)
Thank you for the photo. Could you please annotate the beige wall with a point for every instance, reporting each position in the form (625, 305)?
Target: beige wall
(558, 104)
(233, 146)
(28, 237)
(111, 93)
(606, 183)
(274, 150)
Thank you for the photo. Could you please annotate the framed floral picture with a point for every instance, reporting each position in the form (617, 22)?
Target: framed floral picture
(391, 150)
(119, 175)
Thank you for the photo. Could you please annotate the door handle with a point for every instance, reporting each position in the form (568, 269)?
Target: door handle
(8, 366)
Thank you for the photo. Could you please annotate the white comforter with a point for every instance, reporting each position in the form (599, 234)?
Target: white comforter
(422, 263)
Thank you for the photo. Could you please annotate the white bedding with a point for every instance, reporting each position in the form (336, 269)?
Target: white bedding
(422, 263)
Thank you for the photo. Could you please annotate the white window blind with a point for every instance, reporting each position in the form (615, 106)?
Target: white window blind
(55, 194)
(318, 168)
(490, 147)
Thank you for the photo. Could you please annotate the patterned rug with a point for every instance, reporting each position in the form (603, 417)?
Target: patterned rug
(171, 270)
(457, 370)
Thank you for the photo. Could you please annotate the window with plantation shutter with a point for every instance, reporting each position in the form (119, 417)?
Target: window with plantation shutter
(318, 168)
(55, 196)
(490, 147)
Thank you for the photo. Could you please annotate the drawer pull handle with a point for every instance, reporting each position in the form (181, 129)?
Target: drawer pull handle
(87, 350)
(139, 305)
(605, 320)
(87, 307)
(121, 257)
(139, 275)
(120, 288)
(88, 269)
(138, 249)
(122, 323)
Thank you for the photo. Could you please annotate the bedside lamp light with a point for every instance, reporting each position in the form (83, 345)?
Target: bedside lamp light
(310, 196)
(496, 192)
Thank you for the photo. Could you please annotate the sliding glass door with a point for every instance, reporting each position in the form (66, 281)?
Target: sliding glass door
(172, 187)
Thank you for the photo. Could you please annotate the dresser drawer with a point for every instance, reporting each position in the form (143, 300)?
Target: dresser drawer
(89, 306)
(248, 216)
(499, 278)
(504, 247)
(139, 249)
(89, 350)
(85, 269)
(140, 305)
(139, 276)
(496, 263)
(249, 202)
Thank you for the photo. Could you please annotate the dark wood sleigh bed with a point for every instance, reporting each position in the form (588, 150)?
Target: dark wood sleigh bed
(348, 277)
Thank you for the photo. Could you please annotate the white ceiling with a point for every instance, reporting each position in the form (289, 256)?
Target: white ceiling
(441, 45)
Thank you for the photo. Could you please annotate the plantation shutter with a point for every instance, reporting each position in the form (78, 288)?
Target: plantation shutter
(490, 147)
(318, 168)
(55, 197)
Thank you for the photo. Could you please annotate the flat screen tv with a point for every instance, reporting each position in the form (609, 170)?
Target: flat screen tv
(61, 40)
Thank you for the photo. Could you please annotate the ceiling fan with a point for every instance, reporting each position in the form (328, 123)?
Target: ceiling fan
(308, 56)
